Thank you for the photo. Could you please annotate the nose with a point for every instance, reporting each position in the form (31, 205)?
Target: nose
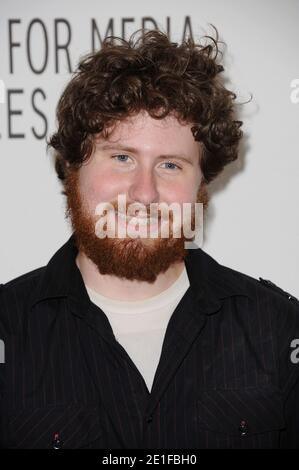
(144, 188)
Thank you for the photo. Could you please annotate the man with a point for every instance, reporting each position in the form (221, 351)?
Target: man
(137, 341)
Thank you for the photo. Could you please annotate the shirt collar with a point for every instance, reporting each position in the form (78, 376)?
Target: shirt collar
(61, 277)
(210, 282)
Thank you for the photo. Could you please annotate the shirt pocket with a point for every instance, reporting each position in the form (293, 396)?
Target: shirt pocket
(240, 418)
(71, 426)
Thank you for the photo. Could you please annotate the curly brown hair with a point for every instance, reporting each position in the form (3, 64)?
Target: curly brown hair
(151, 73)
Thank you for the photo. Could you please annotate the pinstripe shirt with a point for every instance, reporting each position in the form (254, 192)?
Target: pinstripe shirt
(228, 375)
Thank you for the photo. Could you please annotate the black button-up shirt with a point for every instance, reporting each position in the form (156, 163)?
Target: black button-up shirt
(225, 378)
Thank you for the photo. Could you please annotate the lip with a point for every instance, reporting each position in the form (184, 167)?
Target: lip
(140, 220)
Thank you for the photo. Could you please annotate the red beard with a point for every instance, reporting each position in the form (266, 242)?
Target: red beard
(128, 258)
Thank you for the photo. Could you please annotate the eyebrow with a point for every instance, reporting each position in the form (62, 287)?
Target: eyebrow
(125, 148)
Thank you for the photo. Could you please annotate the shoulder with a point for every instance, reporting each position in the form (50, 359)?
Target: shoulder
(264, 287)
(15, 295)
(274, 288)
(268, 302)
(225, 281)
(23, 282)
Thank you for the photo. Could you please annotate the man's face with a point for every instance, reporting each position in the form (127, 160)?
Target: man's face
(148, 161)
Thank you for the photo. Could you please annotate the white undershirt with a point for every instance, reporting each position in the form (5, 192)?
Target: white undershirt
(140, 326)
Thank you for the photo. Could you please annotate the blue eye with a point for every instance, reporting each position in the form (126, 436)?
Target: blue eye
(171, 166)
(121, 158)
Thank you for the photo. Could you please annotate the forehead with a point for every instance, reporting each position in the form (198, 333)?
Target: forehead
(145, 132)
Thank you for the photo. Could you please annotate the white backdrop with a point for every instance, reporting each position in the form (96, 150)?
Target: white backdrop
(253, 223)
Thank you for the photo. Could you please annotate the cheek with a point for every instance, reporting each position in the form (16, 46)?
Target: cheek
(99, 186)
(182, 195)
(183, 192)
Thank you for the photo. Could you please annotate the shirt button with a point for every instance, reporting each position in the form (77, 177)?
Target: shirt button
(243, 428)
(149, 419)
(57, 442)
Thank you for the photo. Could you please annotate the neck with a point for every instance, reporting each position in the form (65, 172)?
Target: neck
(124, 289)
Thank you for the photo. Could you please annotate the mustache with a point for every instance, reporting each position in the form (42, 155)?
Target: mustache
(158, 211)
